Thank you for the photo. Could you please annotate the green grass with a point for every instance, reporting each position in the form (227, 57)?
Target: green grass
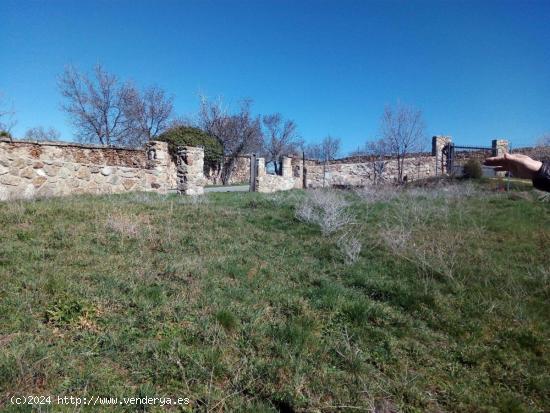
(236, 305)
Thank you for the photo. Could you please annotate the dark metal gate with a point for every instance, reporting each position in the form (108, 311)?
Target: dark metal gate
(456, 156)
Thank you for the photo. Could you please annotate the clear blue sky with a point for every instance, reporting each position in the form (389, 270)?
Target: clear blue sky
(478, 70)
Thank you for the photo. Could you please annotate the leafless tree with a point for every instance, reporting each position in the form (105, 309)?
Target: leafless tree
(97, 106)
(313, 151)
(403, 130)
(541, 150)
(378, 152)
(280, 138)
(327, 150)
(7, 116)
(239, 133)
(148, 113)
(330, 148)
(110, 112)
(40, 134)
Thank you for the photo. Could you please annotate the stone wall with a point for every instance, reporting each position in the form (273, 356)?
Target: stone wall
(361, 174)
(42, 169)
(240, 174)
(272, 183)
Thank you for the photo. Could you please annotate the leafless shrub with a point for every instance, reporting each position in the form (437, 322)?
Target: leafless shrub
(330, 211)
(387, 193)
(422, 232)
(350, 248)
(378, 193)
(124, 225)
(325, 208)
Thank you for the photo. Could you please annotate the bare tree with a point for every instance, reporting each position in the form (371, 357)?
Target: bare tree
(403, 130)
(330, 148)
(280, 138)
(327, 150)
(378, 152)
(541, 151)
(239, 133)
(40, 134)
(97, 105)
(148, 114)
(313, 151)
(7, 117)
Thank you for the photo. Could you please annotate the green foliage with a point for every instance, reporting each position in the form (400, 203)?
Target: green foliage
(472, 169)
(190, 136)
(65, 311)
(5, 134)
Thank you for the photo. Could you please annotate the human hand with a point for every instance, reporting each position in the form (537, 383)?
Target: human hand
(521, 166)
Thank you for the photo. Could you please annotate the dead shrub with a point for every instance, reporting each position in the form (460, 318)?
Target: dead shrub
(424, 233)
(350, 248)
(379, 193)
(329, 210)
(325, 208)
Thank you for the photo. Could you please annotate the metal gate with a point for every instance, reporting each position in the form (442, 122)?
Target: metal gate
(456, 156)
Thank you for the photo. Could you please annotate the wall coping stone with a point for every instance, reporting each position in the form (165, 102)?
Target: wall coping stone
(69, 144)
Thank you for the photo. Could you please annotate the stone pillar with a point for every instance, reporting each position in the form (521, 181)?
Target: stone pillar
(260, 174)
(500, 147)
(260, 165)
(287, 167)
(159, 159)
(438, 143)
(190, 166)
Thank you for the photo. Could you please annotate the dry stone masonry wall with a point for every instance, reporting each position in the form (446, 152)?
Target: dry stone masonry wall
(43, 169)
(272, 183)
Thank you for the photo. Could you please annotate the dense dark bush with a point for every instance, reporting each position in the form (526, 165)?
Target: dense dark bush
(472, 169)
(5, 134)
(190, 136)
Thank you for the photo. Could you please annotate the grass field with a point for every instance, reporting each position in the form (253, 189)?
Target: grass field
(230, 301)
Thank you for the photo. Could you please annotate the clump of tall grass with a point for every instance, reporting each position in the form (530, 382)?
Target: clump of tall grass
(123, 225)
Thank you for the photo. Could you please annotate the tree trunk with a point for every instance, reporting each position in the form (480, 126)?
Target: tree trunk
(227, 170)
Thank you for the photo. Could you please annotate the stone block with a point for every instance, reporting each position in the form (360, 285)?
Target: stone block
(9, 179)
(84, 173)
(27, 173)
(39, 181)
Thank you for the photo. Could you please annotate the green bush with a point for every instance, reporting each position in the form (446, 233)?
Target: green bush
(190, 136)
(472, 169)
(5, 134)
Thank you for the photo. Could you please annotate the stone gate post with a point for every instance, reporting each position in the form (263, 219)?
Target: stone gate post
(190, 166)
(438, 143)
(500, 146)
